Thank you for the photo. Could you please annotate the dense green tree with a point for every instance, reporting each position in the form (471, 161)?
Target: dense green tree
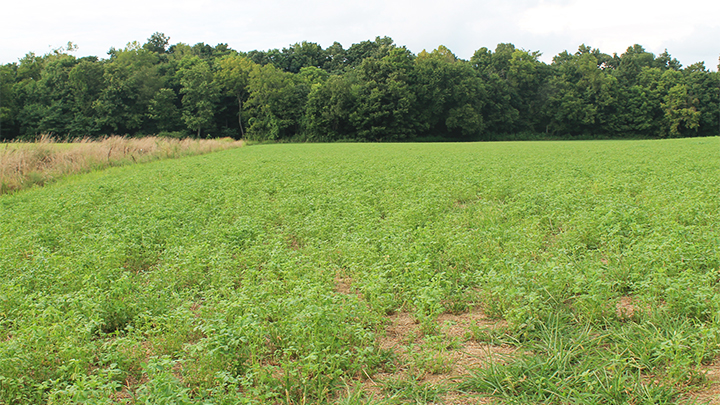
(499, 113)
(451, 96)
(377, 49)
(164, 113)
(527, 78)
(233, 78)
(639, 92)
(703, 89)
(48, 101)
(630, 64)
(87, 81)
(335, 58)
(385, 107)
(180, 51)
(132, 77)
(8, 102)
(30, 67)
(636, 110)
(158, 43)
(261, 58)
(199, 94)
(581, 93)
(276, 104)
(328, 109)
(481, 60)
(313, 76)
(300, 55)
(664, 62)
(202, 50)
(681, 111)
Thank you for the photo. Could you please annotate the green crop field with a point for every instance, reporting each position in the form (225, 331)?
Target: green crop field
(535, 272)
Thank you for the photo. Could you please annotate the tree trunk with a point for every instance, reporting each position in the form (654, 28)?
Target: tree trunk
(242, 132)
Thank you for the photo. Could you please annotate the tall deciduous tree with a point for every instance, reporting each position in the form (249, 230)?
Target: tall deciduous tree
(681, 110)
(582, 92)
(300, 55)
(499, 113)
(8, 102)
(450, 96)
(335, 58)
(87, 81)
(276, 103)
(329, 106)
(49, 109)
(636, 110)
(158, 43)
(233, 77)
(163, 111)
(132, 77)
(200, 93)
(385, 102)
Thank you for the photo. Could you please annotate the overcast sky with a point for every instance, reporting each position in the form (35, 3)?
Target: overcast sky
(689, 29)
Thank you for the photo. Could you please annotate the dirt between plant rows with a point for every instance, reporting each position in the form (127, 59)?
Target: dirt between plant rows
(711, 394)
(403, 333)
(461, 356)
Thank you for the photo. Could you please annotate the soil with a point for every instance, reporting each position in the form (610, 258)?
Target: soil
(710, 395)
(460, 357)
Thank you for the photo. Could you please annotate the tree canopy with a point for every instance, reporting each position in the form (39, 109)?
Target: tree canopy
(374, 90)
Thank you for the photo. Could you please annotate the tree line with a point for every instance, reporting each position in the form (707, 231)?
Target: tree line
(373, 91)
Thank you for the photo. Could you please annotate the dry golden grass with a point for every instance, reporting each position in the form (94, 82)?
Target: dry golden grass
(28, 164)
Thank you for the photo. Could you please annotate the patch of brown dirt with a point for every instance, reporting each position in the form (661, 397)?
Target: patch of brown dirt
(625, 308)
(293, 242)
(460, 204)
(195, 308)
(459, 325)
(129, 386)
(711, 394)
(452, 358)
(122, 396)
(343, 285)
(177, 370)
(401, 330)
(475, 355)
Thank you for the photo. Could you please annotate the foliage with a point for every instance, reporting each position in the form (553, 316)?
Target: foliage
(276, 103)
(451, 95)
(233, 76)
(374, 90)
(199, 93)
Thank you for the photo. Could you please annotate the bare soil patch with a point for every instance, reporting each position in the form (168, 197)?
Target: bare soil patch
(440, 360)
(343, 285)
(626, 308)
(711, 394)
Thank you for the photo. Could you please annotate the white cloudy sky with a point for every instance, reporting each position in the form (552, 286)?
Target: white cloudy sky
(688, 29)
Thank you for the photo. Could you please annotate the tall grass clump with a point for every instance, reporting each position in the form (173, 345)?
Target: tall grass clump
(569, 363)
(23, 165)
